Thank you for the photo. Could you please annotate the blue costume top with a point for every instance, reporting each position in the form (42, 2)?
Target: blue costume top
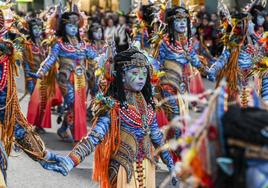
(138, 134)
(173, 61)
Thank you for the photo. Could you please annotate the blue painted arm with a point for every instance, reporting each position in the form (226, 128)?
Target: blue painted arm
(219, 64)
(91, 53)
(87, 145)
(195, 59)
(69, 97)
(264, 88)
(51, 59)
(157, 139)
(28, 78)
(3, 97)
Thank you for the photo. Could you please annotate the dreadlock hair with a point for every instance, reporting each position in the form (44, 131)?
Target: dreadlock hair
(32, 23)
(170, 18)
(116, 89)
(62, 31)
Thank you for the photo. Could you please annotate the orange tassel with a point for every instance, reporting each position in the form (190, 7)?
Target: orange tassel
(230, 72)
(104, 151)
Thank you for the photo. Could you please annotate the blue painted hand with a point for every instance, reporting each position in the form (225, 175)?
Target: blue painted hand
(57, 163)
(174, 179)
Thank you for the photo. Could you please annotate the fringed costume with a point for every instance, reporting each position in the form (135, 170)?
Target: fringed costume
(12, 122)
(175, 56)
(44, 92)
(236, 63)
(123, 137)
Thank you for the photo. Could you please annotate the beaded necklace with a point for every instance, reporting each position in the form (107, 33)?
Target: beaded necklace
(141, 108)
(67, 47)
(4, 63)
(178, 48)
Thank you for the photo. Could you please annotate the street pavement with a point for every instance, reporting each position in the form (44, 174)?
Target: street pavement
(23, 172)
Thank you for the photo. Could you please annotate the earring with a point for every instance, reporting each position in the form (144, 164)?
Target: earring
(123, 80)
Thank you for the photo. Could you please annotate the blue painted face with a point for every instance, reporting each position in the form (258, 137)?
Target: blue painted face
(37, 31)
(71, 29)
(97, 34)
(135, 78)
(260, 20)
(180, 25)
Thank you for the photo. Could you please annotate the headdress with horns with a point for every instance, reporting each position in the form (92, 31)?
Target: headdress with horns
(55, 19)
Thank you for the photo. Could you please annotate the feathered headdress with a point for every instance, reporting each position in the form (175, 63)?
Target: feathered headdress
(55, 19)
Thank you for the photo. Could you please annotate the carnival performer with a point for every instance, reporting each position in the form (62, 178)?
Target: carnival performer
(143, 28)
(236, 62)
(125, 129)
(72, 54)
(42, 97)
(33, 52)
(175, 53)
(13, 125)
(96, 38)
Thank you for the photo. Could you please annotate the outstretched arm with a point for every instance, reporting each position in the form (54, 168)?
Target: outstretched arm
(49, 61)
(87, 145)
(194, 59)
(64, 164)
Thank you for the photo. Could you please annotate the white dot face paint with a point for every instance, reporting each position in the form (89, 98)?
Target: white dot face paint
(180, 25)
(135, 78)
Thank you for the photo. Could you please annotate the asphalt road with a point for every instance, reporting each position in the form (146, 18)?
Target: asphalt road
(26, 173)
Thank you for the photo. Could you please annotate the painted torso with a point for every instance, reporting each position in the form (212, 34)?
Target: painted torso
(39, 55)
(139, 133)
(71, 57)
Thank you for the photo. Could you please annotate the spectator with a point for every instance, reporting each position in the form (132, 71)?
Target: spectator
(122, 34)
(110, 29)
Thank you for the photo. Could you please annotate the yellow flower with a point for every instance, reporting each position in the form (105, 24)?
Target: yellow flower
(98, 72)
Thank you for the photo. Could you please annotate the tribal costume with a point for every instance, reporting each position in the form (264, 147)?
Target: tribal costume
(12, 122)
(175, 55)
(43, 93)
(124, 155)
(236, 62)
(72, 54)
(125, 129)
